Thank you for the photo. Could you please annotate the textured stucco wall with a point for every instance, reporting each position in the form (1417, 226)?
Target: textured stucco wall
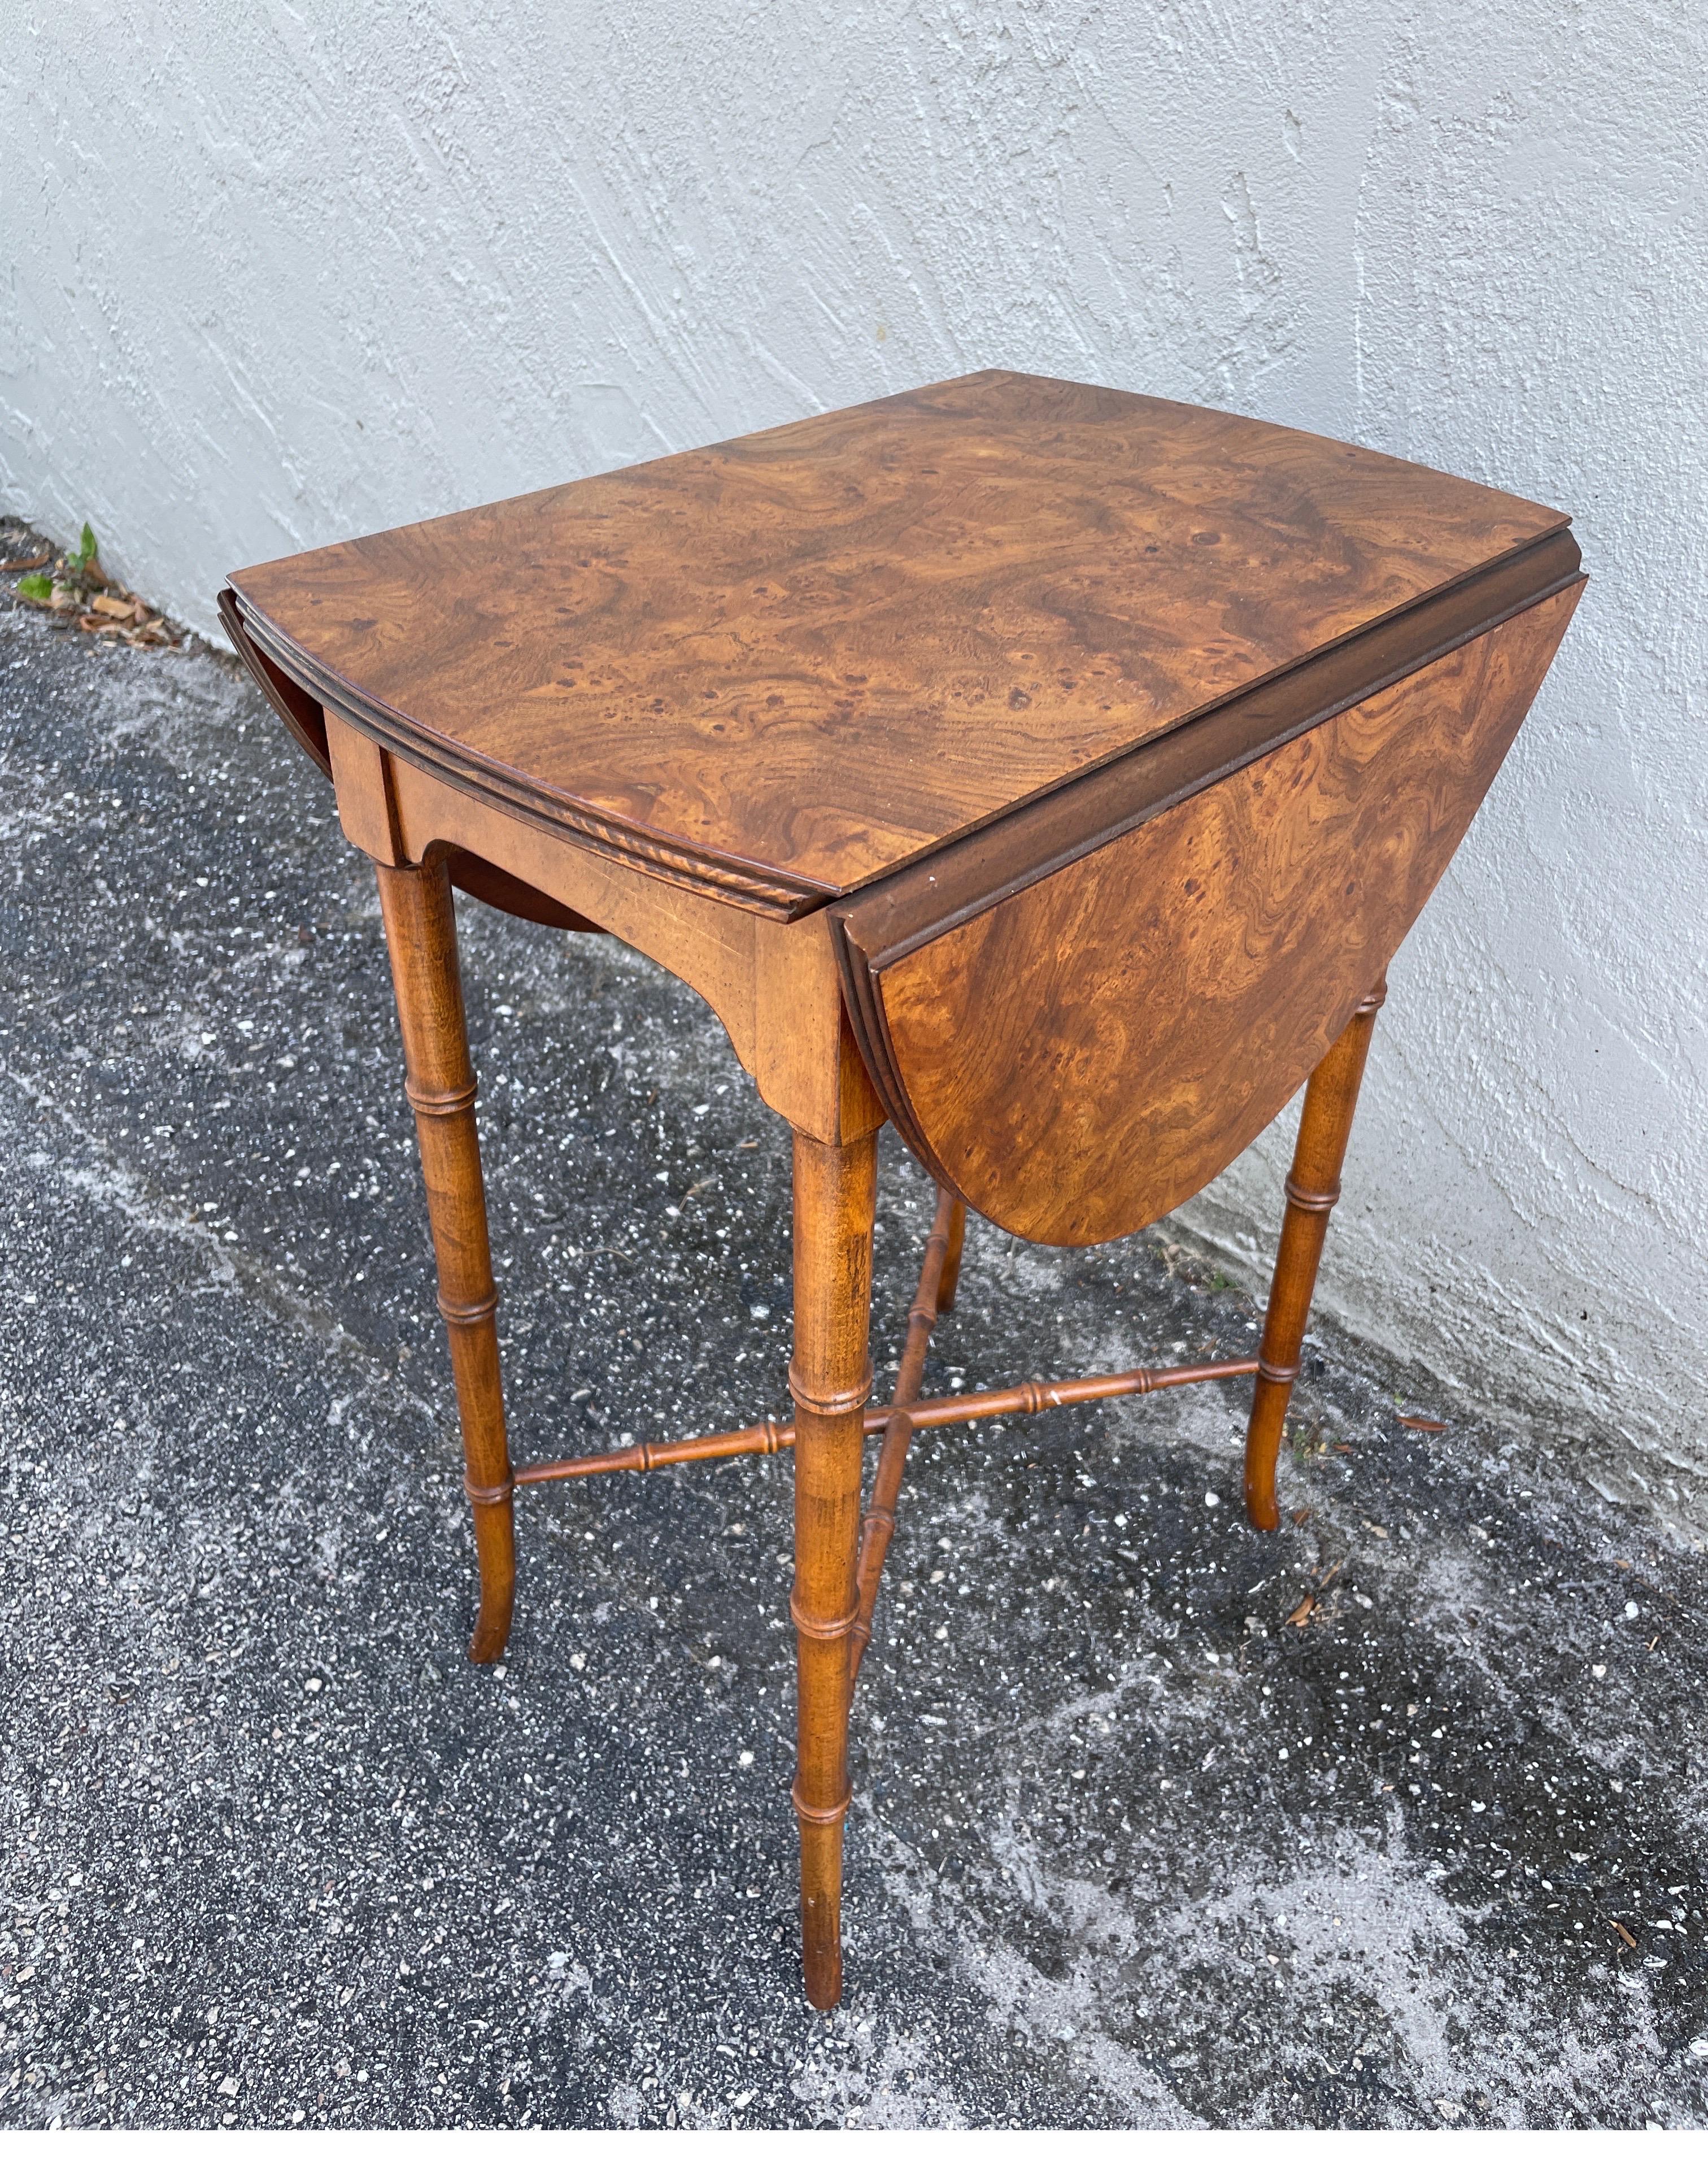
(266, 284)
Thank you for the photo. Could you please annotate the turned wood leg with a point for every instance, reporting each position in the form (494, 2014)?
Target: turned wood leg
(1312, 1188)
(835, 1190)
(950, 1279)
(421, 931)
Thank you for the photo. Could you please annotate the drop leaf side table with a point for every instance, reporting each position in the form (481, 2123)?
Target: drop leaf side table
(1049, 772)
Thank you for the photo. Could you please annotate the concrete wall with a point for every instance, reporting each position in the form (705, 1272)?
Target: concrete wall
(267, 287)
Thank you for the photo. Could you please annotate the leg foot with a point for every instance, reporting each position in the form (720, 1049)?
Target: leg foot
(421, 933)
(821, 1906)
(834, 1200)
(1312, 1188)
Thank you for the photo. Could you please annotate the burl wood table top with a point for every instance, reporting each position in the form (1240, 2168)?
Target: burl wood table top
(778, 668)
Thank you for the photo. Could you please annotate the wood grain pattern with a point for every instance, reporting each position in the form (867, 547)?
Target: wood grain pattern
(1083, 1058)
(779, 667)
(889, 919)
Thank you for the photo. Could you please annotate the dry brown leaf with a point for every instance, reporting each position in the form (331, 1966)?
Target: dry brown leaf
(1302, 1612)
(1622, 1932)
(114, 609)
(22, 567)
(1422, 1424)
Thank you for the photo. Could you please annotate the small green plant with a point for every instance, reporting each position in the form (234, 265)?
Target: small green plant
(80, 590)
(79, 572)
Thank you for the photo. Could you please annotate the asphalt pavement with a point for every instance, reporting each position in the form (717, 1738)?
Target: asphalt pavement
(1394, 1818)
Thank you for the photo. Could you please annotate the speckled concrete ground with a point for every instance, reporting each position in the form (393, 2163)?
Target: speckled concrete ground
(1135, 1839)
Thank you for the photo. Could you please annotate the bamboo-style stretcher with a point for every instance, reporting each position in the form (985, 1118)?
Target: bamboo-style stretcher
(906, 1414)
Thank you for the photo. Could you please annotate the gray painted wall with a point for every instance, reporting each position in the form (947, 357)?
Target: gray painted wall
(271, 284)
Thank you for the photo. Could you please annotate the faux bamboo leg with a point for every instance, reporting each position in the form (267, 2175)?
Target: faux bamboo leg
(1312, 1188)
(950, 1278)
(830, 1377)
(421, 932)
